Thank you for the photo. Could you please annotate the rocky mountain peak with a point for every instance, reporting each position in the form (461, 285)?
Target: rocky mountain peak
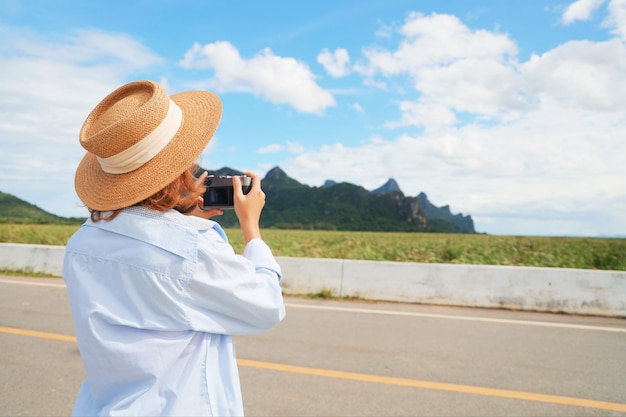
(276, 174)
(389, 187)
(277, 177)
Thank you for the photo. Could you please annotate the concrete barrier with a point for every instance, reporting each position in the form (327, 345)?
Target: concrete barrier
(558, 290)
(32, 258)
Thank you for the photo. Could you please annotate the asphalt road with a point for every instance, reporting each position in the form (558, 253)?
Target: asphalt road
(349, 358)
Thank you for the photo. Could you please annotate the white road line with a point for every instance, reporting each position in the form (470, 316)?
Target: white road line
(38, 284)
(391, 312)
(452, 317)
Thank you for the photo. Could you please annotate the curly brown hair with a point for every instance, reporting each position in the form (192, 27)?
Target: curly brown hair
(181, 194)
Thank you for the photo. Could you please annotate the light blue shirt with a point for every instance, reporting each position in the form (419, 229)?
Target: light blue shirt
(156, 298)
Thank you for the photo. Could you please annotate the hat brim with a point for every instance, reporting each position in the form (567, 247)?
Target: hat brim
(101, 191)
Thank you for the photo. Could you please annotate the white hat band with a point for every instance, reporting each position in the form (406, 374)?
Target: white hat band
(141, 152)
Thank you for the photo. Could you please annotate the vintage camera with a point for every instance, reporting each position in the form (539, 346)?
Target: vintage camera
(219, 191)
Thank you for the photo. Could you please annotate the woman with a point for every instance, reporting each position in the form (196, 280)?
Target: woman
(155, 289)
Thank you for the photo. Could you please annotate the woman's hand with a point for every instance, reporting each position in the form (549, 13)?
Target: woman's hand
(197, 210)
(248, 207)
(205, 214)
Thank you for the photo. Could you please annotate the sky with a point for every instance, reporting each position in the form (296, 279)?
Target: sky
(513, 112)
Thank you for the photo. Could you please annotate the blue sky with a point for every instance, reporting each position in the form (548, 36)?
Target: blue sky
(510, 111)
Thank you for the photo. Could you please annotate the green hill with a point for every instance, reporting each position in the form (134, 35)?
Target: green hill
(15, 210)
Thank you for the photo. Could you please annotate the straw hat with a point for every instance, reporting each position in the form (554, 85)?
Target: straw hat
(138, 140)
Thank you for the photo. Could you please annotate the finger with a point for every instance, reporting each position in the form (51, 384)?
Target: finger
(212, 213)
(200, 179)
(200, 202)
(237, 186)
(198, 211)
(256, 183)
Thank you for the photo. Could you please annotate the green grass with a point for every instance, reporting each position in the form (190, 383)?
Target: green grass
(40, 234)
(559, 252)
(25, 273)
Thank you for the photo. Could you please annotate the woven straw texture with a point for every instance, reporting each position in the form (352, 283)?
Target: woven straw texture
(122, 119)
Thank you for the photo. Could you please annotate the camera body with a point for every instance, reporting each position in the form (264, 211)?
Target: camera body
(219, 191)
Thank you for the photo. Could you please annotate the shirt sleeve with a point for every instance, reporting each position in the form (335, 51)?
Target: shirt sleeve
(234, 294)
(261, 256)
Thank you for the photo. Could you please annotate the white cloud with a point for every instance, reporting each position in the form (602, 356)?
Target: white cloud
(289, 146)
(358, 108)
(475, 73)
(584, 74)
(294, 147)
(384, 31)
(335, 63)
(280, 80)
(437, 40)
(616, 20)
(580, 10)
(452, 67)
(47, 88)
(271, 149)
(433, 116)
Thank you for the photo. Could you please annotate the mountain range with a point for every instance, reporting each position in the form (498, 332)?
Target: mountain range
(293, 205)
(344, 206)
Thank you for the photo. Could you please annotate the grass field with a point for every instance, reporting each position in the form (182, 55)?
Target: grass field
(561, 252)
